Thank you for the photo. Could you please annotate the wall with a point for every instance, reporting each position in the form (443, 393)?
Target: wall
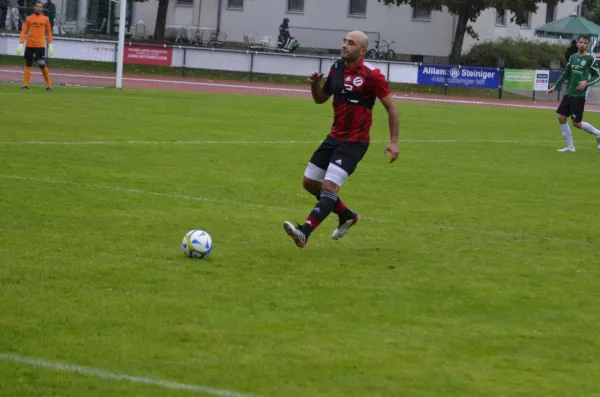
(146, 12)
(214, 59)
(202, 13)
(430, 38)
(262, 18)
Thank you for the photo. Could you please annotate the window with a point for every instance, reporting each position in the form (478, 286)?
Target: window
(358, 7)
(421, 13)
(72, 10)
(185, 2)
(500, 18)
(526, 21)
(550, 12)
(295, 5)
(236, 4)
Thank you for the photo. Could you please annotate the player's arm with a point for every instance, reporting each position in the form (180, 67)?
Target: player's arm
(594, 73)
(394, 125)
(49, 36)
(319, 93)
(593, 77)
(24, 30)
(48, 31)
(563, 77)
(382, 91)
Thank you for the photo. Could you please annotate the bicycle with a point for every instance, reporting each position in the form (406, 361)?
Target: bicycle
(386, 53)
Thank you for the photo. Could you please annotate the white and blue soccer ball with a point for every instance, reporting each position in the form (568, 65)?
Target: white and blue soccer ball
(197, 244)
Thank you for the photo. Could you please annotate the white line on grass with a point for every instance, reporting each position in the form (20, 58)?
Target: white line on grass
(484, 103)
(104, 374)
(283, 209)
(139, 191)
(297, 90)
(241, 142)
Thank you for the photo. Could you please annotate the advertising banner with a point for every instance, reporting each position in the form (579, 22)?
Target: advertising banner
(477, 77)
(555, 75)
(519, 80)
(148, 55)
(542, 80)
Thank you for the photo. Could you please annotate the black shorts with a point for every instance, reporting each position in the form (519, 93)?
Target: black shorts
(344, 154)
(34, 54)
(572, 106)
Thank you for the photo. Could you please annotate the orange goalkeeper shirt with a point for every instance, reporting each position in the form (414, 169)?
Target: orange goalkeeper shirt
(37, 27)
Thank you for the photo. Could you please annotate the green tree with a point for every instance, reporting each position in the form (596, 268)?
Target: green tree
(593, 10)
(516, 54)
(468, 11)
(161, 20)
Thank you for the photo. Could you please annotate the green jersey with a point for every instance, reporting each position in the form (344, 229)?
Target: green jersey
(579, 68)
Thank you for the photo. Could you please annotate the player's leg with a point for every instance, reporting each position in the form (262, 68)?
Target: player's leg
(29, 54)
(315, 174)
(40, 57)
(342, 165)
(347, 158)
(327, 202)
(578, 107)
(313, 180)
(564, 111)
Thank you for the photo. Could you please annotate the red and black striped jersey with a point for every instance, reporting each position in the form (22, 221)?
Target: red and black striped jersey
(354, 93)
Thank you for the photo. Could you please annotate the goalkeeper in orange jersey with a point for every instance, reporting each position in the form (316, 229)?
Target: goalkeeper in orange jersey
(37, 28)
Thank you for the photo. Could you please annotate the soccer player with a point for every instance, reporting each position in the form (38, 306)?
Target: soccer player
(581, 72)
(37, 28)
(355, 85)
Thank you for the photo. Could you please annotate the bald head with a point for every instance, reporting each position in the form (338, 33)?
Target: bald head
(355, 46)
(359, 38)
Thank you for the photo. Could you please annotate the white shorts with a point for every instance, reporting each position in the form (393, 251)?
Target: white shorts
(334, 174)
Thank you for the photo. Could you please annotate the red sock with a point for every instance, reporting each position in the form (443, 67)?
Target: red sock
(311, 223)
(340, 207)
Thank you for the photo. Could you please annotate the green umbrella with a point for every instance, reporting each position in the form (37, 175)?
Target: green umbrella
(568, 27)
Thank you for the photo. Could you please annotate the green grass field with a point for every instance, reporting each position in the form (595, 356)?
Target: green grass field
(474, 271)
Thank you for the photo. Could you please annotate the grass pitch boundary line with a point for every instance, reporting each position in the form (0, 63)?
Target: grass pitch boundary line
(104, 374)
(496, 233)
(274, 142)
(139, 191)
(479, 102)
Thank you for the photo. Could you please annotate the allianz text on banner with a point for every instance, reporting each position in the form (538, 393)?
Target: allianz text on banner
(477, 77)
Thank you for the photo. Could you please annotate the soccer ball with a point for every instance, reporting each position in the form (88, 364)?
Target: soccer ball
(197, 244)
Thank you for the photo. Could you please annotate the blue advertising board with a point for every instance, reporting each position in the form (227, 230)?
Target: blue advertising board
(455, 76)
(555, 75)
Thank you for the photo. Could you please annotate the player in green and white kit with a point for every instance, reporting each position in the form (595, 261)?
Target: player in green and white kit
(581, 72)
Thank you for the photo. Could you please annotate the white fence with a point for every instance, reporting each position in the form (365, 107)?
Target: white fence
(214, 59)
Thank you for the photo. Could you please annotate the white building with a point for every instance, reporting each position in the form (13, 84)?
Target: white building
(416, 33)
